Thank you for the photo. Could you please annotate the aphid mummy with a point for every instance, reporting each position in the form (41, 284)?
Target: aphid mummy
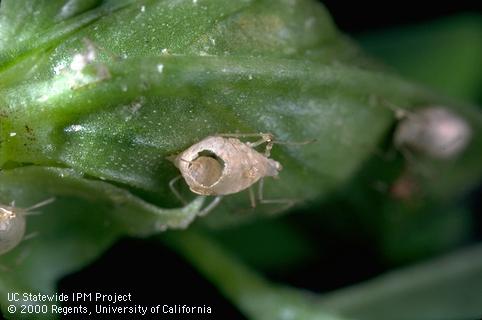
(221, 165)
(13, 224)
(12, 228)
(434, 131)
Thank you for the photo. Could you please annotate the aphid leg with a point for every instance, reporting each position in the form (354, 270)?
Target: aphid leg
(419, 166)
(288, 202)
(30, 236)
(266, 138)
(174, 190)
(252, 197)
(210, 206)
(23, 255)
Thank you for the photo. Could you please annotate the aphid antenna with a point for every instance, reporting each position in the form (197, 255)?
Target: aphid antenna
(267, 136)
(295, 143)
(269, 145)
(40, 204)
(399, 112)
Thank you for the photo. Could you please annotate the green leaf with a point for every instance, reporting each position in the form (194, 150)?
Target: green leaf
(446, 288)
(268, 244)
(120, 126)
(94, 100)
(257, 298)
(444, 53)
(85, 219)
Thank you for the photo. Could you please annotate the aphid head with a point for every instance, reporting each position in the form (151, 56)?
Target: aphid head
(207, 169)
(434, 131)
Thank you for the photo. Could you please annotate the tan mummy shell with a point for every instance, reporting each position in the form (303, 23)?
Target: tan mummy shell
(12, 228)
(434, 131)
(219, 166)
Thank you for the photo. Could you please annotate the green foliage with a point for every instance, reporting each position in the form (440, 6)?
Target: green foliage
(444, 54)
(94, 95)
(446, 288)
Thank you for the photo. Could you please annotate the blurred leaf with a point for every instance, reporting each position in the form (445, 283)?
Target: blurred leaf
(445, 53)
(409, 233)
(256, 298)
(431, 219)
(446, 288)
(267, 245)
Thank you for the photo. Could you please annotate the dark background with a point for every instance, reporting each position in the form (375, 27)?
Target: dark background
(360, 16)
(138, 261)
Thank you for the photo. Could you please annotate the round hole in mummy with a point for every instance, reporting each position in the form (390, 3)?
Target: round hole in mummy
(207, 168)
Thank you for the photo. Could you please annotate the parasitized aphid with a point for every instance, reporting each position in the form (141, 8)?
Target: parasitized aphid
(222, 165)
(433, 131)
(13, 224)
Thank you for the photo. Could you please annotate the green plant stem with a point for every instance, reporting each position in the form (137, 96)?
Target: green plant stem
(254, 295)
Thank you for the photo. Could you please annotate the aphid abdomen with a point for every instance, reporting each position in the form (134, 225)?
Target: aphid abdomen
(12, 230)
(233, 166)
